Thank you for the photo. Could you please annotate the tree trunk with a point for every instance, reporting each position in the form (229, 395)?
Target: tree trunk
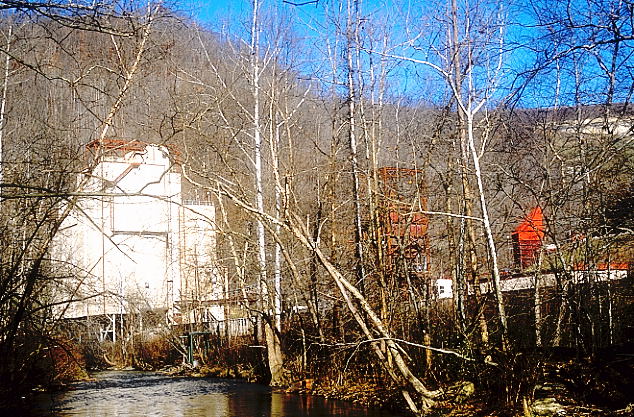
(274, 354)
(352, 29)
(399, 371)
(3, 104)
(489, 235)
(271, 337)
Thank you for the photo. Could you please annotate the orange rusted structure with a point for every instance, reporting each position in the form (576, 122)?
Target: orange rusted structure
(403, 223)
(117, 144)
(122, 146)
(528, 238)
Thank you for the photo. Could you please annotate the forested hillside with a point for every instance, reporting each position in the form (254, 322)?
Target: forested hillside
(356, 154)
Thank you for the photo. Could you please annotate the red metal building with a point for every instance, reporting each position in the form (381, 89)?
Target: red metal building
(528, 239)
(403, 222)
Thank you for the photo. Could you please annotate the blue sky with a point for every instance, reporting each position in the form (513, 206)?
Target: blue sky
(216, 13)
(211, 10)
(306, 23)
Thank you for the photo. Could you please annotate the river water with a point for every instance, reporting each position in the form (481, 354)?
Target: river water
(131, 393)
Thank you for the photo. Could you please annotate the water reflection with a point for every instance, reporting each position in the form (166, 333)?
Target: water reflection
(149, 394)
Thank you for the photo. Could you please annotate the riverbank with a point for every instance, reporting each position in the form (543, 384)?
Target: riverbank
(140, 393)
(558, 394)
(237, 372)
(570, 385)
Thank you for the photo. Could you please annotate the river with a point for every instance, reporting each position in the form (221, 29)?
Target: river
(132, 393)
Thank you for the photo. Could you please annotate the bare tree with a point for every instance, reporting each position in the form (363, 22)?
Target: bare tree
(38, 189)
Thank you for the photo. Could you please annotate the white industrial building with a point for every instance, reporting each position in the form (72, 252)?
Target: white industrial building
(133, 244)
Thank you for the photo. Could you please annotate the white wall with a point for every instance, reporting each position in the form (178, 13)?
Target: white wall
(136, 246)
(201, 278)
